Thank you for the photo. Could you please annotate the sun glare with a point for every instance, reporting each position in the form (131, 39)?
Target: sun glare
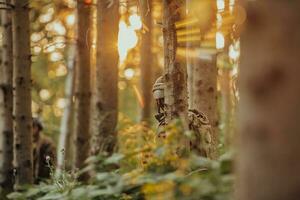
(61, 103)
(59, 28)
(231, 5)
(56, 56)
(135, 22)
(220, 40)
(234, 51)
(220, 4)
(127, 40)
(129, 73)
(70, 20)
(44, 94)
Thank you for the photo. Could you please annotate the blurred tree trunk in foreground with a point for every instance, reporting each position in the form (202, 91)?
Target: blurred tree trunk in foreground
(106, 99)
(23, 155)
(269, 113)
(146, 60)
(65, 142)
(83, 86)
(6, 103)
(205, 93)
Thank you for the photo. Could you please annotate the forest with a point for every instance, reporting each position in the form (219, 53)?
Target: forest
(149, 100)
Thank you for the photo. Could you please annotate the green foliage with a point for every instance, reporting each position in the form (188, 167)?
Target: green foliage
(209, 180)
(144, 168)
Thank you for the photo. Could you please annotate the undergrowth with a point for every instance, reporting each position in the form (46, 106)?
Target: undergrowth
(144, 168)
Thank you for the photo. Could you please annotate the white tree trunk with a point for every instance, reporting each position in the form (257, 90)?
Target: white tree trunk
(66, 127)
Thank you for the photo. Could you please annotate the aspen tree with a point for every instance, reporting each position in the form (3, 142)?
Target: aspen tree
(65, 145)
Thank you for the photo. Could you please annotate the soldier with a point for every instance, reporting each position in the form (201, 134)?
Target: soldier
(198, 123)
(44, 152)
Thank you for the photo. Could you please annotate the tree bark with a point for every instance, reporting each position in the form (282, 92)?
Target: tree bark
(190, 80)
(227, 106)
(205, 93)
(175, 91)
(83, 86)
(6, 103)
(146, 61)
(23, 155)
(175, 70)
(65, 147)
(106, 100)
(269, 113)
(189, 61)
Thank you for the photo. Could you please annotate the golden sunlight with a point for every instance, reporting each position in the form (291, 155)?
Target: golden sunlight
(231, 5)
(44, 94)
(135, 22)
(139, 96)
(128, 38)
(220, 40)
(220, 4)
(70, 20)
(234, 51)
(129, 73)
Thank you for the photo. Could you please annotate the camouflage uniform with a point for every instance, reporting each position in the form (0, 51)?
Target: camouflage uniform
(201, 142)
(44, 153)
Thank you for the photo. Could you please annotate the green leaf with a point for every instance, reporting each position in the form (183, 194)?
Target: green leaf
(114, 159)
(16, 196)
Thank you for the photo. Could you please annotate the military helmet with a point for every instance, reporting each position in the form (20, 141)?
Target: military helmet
(158, 88)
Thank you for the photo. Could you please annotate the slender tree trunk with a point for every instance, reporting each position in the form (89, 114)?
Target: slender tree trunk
(175, 71)
(106, 100)
(205, 93)
(269, 113)
(190, 80)
(23, 155)
(189, 63)
(146, 61)
(66, 128)
(6, 104)
(83, 86)
(227, 105)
